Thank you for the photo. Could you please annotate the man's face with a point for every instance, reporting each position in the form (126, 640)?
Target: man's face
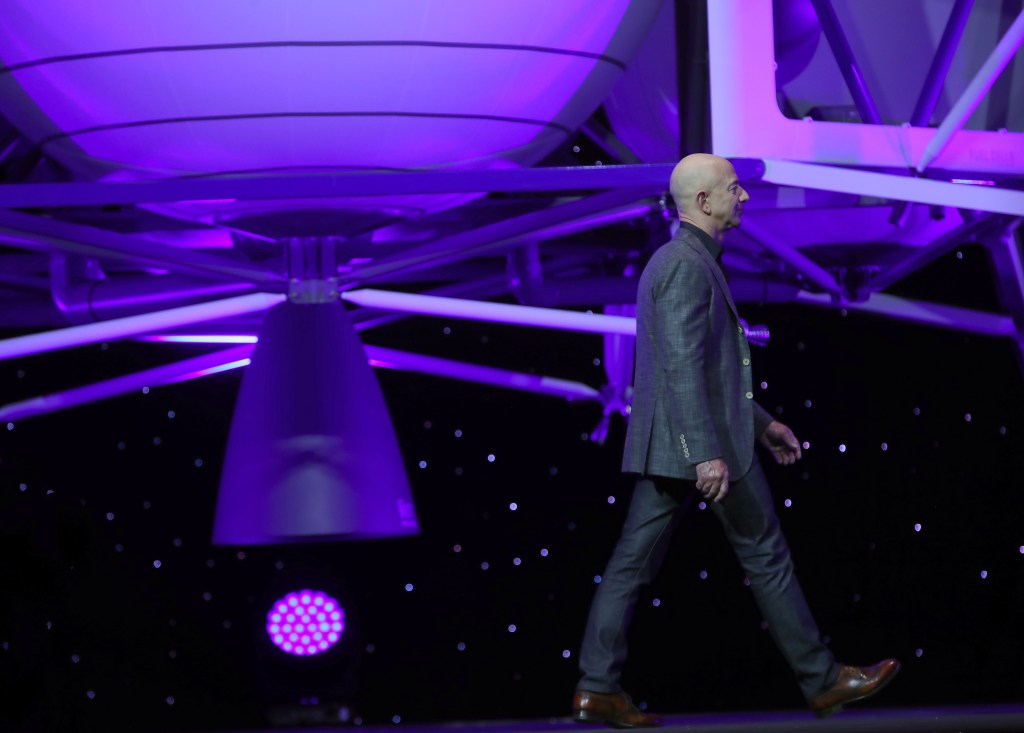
(727, 199)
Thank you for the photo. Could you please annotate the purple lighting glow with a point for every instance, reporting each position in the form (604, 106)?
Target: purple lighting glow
(305, 622)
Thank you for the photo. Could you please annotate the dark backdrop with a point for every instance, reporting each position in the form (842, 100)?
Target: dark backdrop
(93, 634)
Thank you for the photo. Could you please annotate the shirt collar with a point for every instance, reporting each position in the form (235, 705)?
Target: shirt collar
(713, 247)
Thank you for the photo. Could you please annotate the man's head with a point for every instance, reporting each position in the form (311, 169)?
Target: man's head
(708, 193)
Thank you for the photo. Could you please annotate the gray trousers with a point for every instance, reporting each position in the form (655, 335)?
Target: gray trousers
(748, 517)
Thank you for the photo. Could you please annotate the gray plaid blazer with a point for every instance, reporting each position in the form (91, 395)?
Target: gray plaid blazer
(692, 394)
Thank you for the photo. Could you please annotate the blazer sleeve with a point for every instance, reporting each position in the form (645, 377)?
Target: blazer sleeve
(762, 418)
(681, 305)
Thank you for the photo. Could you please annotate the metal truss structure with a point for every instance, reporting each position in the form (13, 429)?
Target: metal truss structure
(88, 261)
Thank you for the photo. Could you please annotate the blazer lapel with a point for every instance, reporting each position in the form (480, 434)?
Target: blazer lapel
(702, 252)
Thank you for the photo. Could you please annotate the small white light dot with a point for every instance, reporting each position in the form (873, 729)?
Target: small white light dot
(22, 488)
(176, 542)
(597, 578)
(842, 447)
(157, 440)
(145, 390)
(110, 516)
(807, 403)
(967, 417)
(1022, 549)
(490, 458)
(207, 596)
(959, 255)
(461, 646)
(447, 330)
(517, 561)
(656, 602)
(544, 551)
(917, 527)
(984, 574)
(156, 563)
(513, 506)
(198, 462)
(885, 446)
(75, 659)
(611, 499)
(408, 587)
(423, 464)
(240, 555)
(484, 565)
(788, 503)
(702, 505)
(458, 433)
(919, 653)
(703, 574)
(566, 654)
(171, 414)
(396, 719)
(10, 426)
(511, 628)
(807, 445)
(457, 548)
(91, 694)
(764, 385)
(597, 362)
(170, 699)
(1002, 430)
(917, 410)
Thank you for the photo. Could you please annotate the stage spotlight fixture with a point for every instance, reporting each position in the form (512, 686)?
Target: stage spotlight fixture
(305, 622)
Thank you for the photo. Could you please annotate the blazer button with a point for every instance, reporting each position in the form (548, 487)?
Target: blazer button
(746, 362)
(739, 328)
(750, 395)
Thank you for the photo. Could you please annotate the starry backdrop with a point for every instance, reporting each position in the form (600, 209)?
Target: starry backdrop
(904, 518)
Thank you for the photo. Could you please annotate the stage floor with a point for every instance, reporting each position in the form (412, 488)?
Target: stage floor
(974, 719)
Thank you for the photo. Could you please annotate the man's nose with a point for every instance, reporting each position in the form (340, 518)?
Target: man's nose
(744, 196)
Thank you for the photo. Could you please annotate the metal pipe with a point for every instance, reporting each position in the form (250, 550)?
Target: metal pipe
(847, 63)
(924, 313)
(475, 310)
(38, 233)
(937, 72)
(901, 188)
(934, 82)
(963, 234)
(794, 258)
(495, 237)
(181, 371)
(975, 92)
(92, 333)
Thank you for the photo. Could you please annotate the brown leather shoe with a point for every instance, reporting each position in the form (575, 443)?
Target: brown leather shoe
(614, 709)
(854, 683)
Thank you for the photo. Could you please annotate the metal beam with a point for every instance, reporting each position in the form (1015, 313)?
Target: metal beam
(92, 333)
(794, 258)
(900, 188)
(847, 63)
(963, 234)
(975, 92)
(45, 234)
(558, 219)
(934, 82)
(921, 312)
(653, 177)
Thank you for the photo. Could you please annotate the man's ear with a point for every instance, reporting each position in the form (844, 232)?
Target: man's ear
(702, 202)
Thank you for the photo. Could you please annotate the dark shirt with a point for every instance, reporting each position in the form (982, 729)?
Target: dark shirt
(713, 247)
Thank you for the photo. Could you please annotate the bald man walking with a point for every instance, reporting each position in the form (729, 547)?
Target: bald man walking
(692, 431)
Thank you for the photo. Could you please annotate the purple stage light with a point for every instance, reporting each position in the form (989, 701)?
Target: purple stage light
(305, 622)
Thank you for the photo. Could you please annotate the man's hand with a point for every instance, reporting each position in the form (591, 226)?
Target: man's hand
(780, 440)
(713, 479)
